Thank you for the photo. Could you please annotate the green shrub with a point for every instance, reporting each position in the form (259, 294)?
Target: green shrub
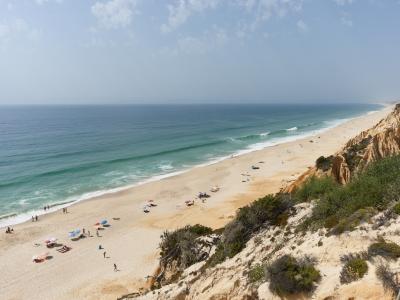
(266, 211)
(387, 277)
(324, 163)
(385, 249)
(353, 270)
(315, 187)
(290, 276)
(396, 208)
(180, 246)
(257, 273)
(352, 221)
(342, 207)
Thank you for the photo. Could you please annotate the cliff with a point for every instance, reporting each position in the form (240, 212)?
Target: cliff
(382, 140)
(294, 253)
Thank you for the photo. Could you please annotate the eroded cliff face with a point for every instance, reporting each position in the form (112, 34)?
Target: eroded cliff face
(231, 280)
(380, 141)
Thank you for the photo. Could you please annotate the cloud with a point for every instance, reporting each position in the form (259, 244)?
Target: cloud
(343, 2)
(114, 14)
(182, 10)
(301, 26)
(346, 20)
(209, 41)
(15, 28)
(41, 2)
(263, 10)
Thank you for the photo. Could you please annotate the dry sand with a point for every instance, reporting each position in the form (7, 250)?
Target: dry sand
(131, 242)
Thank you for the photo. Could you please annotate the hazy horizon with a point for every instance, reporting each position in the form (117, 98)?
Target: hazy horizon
(198, 51)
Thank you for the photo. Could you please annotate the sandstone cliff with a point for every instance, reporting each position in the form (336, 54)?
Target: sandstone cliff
(234, 277)
(380, 141)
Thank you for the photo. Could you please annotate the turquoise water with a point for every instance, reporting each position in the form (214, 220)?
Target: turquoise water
(57, 154)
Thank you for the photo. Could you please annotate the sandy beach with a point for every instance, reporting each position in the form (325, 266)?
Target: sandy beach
(132, 238)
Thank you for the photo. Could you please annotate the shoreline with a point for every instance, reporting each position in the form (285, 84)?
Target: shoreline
(132, 239)
(15, 218)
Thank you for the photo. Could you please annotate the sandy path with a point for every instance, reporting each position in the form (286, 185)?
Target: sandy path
(131, 242)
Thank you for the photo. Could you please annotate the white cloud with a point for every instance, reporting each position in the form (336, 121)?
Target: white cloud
(183, 9)
(346, 20)
(301, 26)
(263, 10)
(343, 2)
(209, 41)
(114, 14)
(12, 29)
(41, 2)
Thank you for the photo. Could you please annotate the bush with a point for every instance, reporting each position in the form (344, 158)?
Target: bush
(373, 189)
(270, 210)
(386, 249)
(353, 270)
(257, 273)
(386, 276)
(290, 276)
(324, 163)
(181, 246)
(396, 208)
(352, 221)
(315, 187)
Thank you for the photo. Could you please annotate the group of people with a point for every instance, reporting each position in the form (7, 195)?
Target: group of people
(35, 218)
(46, 207)
(9, 230)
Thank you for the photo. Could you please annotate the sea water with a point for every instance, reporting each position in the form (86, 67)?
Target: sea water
(51, 155)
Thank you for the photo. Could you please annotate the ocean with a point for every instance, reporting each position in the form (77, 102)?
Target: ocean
(58, 155)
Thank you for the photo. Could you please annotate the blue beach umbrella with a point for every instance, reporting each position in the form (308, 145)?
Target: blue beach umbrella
(103, 222)
(74, 233)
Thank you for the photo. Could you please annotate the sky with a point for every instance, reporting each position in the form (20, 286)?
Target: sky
(198, 51)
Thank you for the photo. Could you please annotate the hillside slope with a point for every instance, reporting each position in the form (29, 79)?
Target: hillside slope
(324, 240)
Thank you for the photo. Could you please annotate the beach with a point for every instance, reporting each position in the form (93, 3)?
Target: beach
(131, 240)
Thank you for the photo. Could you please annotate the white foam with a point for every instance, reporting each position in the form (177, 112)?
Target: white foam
(23, 217)
(292, 129)
(165, 166)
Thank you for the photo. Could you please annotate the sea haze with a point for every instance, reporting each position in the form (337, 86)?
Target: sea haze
(57, 154)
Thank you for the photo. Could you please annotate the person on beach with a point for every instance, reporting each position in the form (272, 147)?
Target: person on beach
(88, 233)
(104, 254)
(115, 268)
(100, 247)
(83, 230)
(97, 232)
(36, 218)
(33, 219)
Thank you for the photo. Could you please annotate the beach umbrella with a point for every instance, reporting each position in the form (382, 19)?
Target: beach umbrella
(77, 231)
(71, 234)
(103, 222)
(50, 240)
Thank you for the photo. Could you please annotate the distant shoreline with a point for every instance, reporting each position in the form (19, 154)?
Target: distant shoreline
(15, 218)
(131, 241)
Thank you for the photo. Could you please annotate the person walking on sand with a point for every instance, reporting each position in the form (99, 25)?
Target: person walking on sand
(97, 232)
(115, 268)
(104, 254)
(36, 218)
